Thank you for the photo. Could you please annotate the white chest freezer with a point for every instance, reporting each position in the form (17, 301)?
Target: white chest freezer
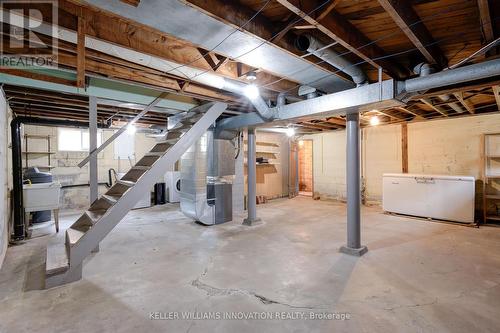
(431, 196)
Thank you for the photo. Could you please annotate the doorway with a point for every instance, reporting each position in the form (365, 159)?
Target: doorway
(305, 150)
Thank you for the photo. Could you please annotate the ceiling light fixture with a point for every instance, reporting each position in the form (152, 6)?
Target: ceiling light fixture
(251, 76)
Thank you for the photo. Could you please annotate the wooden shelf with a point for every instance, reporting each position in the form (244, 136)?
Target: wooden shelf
(39, 152)
(264, 143)
(493, 217)
(40, 167)
(34, 136)
(265, 152)
(493, 196)
(264, 164)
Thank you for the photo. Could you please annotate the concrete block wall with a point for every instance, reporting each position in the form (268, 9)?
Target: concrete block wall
(272, 180)
(329, 161)
(305, 165)
(447, 147)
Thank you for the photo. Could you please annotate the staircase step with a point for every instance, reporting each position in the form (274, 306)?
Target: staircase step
(154, 153)
(57, 259)
(173, 136)
(112, 199)
(125, 182)
(183, 128)
(141, 167)
(73, 236)
(95, 215)
(161, 147)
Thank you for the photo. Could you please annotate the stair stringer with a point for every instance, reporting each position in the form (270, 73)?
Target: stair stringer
(91, 239)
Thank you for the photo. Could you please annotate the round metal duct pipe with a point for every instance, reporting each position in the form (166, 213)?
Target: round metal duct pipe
(312, 45)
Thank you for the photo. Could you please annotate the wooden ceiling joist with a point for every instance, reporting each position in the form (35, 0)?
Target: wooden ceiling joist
(496, 92)
(436, 108)
(236, 15)
(407, 19)
(134, 3)
(465, 103)
(341, 30)
(486, 24)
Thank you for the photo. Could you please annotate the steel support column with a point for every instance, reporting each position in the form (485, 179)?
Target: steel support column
(252, 179)
(93, 173)
(353, 246)
(93, 177)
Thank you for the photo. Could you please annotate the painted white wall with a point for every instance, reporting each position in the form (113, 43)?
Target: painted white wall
(66, 169)
(329, 164)
(447, 147)
(4, 194)
(381, 153)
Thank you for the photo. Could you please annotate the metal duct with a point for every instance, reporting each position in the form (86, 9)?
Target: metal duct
(312, 45)
(183, 71)
(453, 76)
(425, 69)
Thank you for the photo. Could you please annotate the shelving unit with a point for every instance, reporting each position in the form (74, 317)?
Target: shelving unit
(263, 149)
(491, 176)
(48, 152)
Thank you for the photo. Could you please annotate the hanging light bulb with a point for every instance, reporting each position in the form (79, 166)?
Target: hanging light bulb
(290, 131)
(374, 121)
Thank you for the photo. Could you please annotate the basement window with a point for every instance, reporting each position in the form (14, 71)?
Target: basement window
(71, 139)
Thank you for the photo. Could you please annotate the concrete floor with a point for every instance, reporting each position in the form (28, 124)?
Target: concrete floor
(418, 276)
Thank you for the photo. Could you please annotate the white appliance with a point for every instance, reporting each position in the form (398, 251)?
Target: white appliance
(173, 181)
(145, 200)
(44, 196)
(431, 196)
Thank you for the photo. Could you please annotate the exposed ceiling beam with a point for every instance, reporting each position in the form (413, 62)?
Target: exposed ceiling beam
(403, 109)
(436, 108)
(336, 121)
(327, 10)
(134, 3)
(37, 76)
(496, 91)
(387, 114)
(112, 28)
(80, 48)
(485, 19)
(406, 18)
(466, 103)
(234, 14)
(341, 30)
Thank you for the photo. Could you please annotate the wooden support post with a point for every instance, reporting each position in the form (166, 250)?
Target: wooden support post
(404, 147)
(80, 67)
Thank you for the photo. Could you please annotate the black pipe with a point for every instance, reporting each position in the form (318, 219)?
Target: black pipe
(17, 168)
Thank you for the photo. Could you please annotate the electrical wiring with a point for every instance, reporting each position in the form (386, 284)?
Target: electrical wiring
(272, 37)
(398, 32)
(222, 41)
(378, 58)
